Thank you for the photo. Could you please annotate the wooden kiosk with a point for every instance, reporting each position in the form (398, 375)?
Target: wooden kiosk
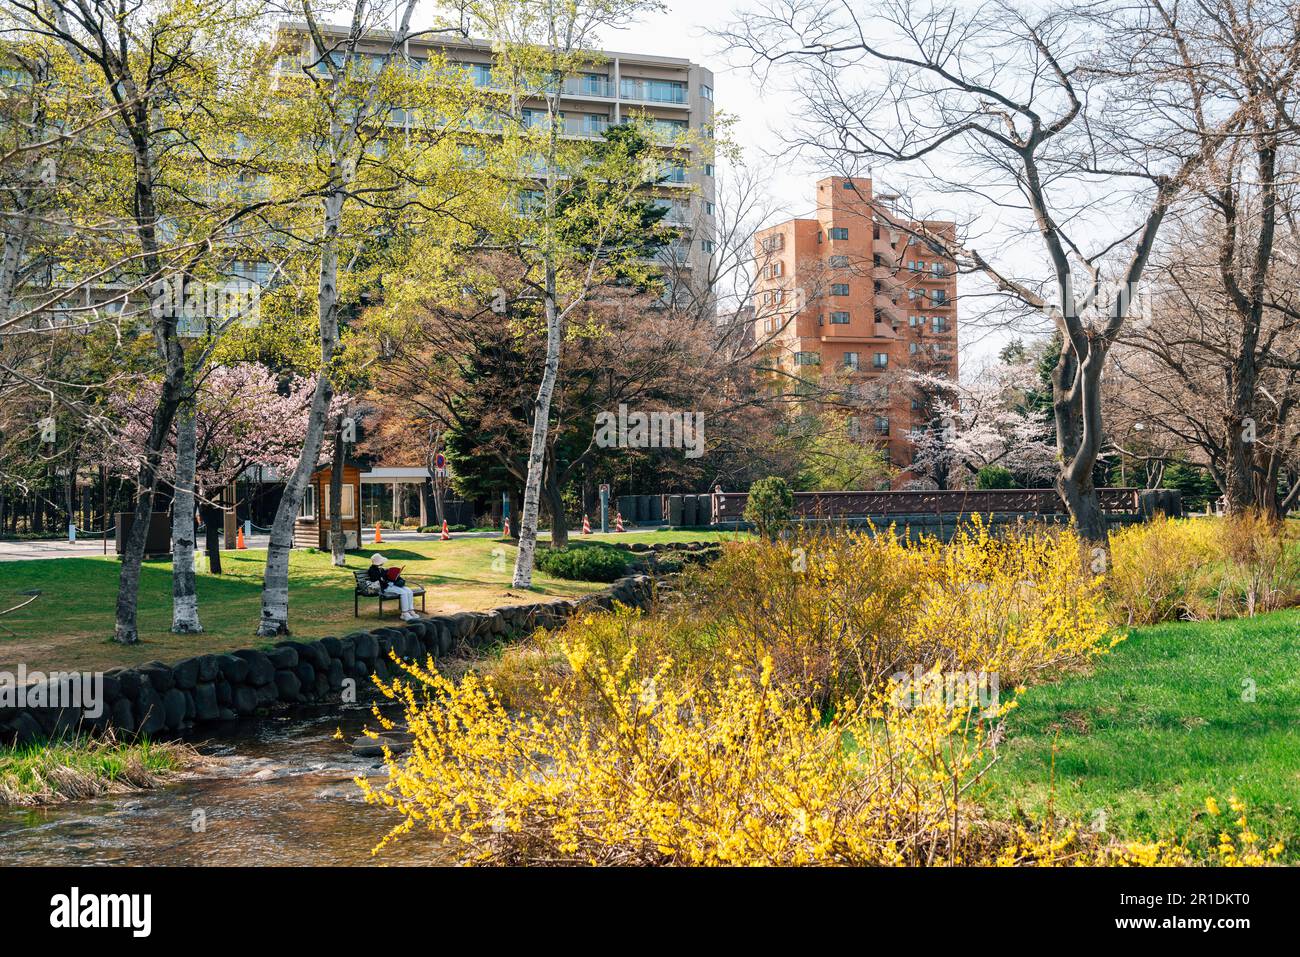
(312, 529)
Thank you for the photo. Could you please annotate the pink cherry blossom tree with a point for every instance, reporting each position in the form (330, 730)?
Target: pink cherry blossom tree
(242, 415)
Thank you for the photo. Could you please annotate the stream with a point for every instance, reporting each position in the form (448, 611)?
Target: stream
(274, 791)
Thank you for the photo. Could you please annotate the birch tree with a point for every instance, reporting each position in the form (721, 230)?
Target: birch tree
(349, 94)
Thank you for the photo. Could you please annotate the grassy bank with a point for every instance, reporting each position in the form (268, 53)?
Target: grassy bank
(1165, 720)
(45, 774)
(67, 627)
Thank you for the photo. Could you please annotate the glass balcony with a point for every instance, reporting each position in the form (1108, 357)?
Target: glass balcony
(652, 91)
(589, 84)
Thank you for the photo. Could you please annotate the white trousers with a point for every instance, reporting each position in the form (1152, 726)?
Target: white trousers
(404, 596)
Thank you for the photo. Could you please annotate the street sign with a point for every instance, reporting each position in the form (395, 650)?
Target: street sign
(604, 488)
(440, 462)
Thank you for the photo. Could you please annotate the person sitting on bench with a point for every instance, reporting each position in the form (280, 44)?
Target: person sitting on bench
(392, 587)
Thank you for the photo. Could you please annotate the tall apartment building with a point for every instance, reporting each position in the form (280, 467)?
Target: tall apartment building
(851, 294)
(674, 95)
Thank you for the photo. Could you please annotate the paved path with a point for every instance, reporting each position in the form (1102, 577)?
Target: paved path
(20, 551)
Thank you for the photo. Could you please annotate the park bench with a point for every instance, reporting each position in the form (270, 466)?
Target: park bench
(363, 591)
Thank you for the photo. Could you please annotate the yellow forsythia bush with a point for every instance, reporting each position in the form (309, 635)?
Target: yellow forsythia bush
(628, 766)
(846, 611)
(1202, 568)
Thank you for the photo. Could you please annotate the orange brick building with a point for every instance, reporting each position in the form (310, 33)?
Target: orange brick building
(852, 299)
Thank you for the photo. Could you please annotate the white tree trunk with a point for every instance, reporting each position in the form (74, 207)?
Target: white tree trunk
(185, 599)
(275, 581)
(523, 577)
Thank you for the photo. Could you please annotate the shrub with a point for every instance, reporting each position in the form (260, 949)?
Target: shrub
(591, 563)
(1198, 568)
(993, 477)
(846, 610)
(769, 505)
(640, 765)
(635, 766)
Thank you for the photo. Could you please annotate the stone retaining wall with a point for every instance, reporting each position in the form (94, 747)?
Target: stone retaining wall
(157, 699)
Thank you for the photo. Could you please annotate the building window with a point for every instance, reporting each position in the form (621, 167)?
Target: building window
(882, 425)
(880, 360)
(839, 289)
(913, 348)
(918, 405)
(938, 269)
(940, 297)
(838, 262)
(851, 360)
(939, 323)
(807, 359)
(708, 169)
(775, 269)
(708, 208)
(347, 503)
(839, 318)
(773, 243)
(839, 232)
(706, 245)
(307, 510)
(848, 184)
(706, 91)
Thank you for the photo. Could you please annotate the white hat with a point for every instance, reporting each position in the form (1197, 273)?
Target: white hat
(377, 559)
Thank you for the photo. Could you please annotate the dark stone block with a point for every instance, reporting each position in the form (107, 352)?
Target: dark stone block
(367, 646)
(267, 694)
(174, 708)
(150, 716)
(122, 715)
(186, 673)
(159, 675)
(26, 729)
(283, 656)
(306, 675)
(131, 682)
(261, 671)
(288, 687)
(235, 670)
(243, 700)
(206, 706)
(334, 677)
(333, 647)
(209, 667)
(315, 653)
(224, 691)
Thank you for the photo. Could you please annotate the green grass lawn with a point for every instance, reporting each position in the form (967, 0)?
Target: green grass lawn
(1160, 725)
(68, 626)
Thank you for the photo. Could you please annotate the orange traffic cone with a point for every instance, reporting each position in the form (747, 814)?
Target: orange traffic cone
(379, 539)
(446, 535)
(618, 521)
(586, 525)
(239, 538)
(505, 529)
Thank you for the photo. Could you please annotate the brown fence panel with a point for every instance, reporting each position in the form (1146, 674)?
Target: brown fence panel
(730, 506)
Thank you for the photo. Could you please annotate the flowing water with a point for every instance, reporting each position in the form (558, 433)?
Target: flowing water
(275, 791)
